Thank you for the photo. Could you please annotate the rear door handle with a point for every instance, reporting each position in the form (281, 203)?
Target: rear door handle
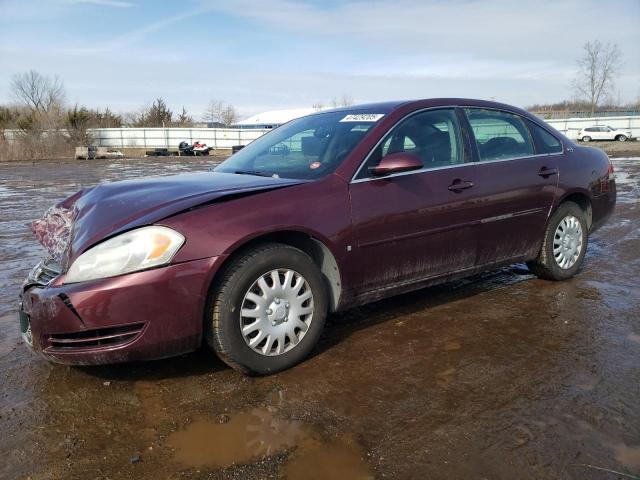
(547, 172)
(459, 185)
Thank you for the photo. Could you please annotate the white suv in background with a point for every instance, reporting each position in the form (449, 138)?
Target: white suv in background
(603, 132)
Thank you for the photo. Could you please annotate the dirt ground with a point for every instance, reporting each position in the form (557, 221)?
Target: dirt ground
(501, 376)
(618, 149)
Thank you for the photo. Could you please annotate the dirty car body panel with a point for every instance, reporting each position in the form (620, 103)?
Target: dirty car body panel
(476, 204)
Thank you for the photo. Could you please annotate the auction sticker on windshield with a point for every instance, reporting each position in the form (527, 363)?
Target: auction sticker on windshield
(363, 117)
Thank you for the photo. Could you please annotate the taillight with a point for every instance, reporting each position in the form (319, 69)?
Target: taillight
(610, 170)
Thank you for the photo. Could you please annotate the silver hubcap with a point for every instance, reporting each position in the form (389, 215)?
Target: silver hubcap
(567, 242)
(276, 312)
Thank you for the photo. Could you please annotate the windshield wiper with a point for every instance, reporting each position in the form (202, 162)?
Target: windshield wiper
(254, 172)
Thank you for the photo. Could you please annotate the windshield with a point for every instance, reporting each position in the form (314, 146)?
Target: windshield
(307, 148)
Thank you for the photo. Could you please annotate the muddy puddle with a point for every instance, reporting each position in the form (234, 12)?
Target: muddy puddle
(246, 436)
(500, 376)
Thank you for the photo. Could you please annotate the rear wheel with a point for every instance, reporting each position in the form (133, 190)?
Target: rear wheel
(621, 138)
(268, 311)
(564, 245)
(586, 139)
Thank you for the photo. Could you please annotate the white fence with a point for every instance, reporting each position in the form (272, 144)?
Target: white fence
(223, 138)
(228, 137)
(571, 126)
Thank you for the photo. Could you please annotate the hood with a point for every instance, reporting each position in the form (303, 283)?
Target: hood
(70, 227)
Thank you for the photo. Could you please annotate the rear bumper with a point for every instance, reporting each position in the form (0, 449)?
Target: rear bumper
(145, 315)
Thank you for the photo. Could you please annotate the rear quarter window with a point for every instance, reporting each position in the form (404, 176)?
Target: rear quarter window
(545, 142)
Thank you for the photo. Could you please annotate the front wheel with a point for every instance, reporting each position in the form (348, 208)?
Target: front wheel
(586, 139)
(564, 245)
(268, 311)
(621, 138)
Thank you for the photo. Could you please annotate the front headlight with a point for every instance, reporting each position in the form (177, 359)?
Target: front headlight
(138, 249)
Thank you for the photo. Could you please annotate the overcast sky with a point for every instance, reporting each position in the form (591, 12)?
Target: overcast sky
(270, 54)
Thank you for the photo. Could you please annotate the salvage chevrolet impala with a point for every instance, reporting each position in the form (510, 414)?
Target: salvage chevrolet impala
(324, 213)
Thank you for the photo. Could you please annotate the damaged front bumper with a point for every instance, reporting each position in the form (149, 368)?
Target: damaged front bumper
(138, 316)
(40, 276)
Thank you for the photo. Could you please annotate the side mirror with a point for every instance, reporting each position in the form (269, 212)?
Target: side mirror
(396, 163)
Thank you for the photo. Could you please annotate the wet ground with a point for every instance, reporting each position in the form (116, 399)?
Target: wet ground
(499, 376)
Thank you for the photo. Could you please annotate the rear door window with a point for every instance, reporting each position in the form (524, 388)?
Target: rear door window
(499, 135)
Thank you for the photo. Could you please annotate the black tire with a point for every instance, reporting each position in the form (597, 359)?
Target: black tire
(621, 138)
(545, 265)
(586, 139)
(222, 319)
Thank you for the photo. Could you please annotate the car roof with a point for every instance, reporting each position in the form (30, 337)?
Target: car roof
(379, 107)
(389, 106)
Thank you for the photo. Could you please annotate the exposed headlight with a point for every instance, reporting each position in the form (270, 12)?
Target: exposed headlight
(138, 249)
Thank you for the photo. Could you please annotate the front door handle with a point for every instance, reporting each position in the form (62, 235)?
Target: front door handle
(547, 172)
(458, 185)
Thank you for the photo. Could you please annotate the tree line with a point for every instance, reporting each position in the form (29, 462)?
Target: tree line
(40, 102)
(43, 125)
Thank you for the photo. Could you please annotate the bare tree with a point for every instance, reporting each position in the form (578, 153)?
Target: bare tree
(597, 70)
(318, 106)
(220, 112)
(229, 115)
(38, 92)
(343, 101)
(214, 110)
(130, 119)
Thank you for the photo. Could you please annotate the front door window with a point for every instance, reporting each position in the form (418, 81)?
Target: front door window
(432, 135)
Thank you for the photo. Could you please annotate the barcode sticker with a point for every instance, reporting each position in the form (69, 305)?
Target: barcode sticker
(363, 117)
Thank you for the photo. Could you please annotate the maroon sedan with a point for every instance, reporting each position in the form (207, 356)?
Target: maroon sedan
(324, 213)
